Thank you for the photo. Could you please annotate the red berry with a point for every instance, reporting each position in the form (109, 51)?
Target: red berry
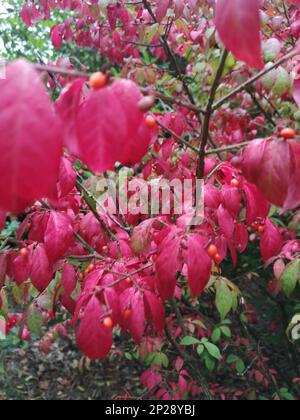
(108, 323)
(98, 80)
(128, 281)
(127, 314)
(26, 335)
(150, 121)
(81, 276)
(212, 250)
(261, 229)
(24, 252)
(235, 183)
(154, 258)
(288, 133)
(105, 249)
(218, 259)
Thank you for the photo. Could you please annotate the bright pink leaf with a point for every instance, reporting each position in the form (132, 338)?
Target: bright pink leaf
(93, 339)
(58, 235)
(238, 24)
(167, 265)
(271, 241)
(156, 310)
(67, 178)
(162, 8)
(137, 318)
(199, 265)
(110, 127)
(41, 272)
(30, 144)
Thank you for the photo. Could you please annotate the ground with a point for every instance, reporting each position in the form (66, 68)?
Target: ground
(63, 375)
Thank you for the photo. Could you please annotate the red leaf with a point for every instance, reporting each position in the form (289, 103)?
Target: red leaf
(67, 107)
(167, 266)
(41, 272)
(226, 222)
(67, 178)
(58, 235)
(2, 219)
(199, 265)
(30, 145)
(256, 205)
(271, 241)
(20, 269)
(3, 268)
(162, 8)
(68, 279)
(110, 127)
(293, 198)
(156, 310)
(93, 339)
(151, 379)
(56, 37)
(137, 318)
(238, 24)
(296, 91)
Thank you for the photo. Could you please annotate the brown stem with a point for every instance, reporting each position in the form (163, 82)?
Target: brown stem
(209, 111)
(253, 79)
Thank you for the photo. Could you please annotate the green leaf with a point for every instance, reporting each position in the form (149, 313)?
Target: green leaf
(216, 335)
(290, 277)
(189, 341)
(226, 332)
(200, 350)
(35, 320)
(213, 351)
(223, 299)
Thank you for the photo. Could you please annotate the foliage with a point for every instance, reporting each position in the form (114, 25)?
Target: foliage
(210, 308)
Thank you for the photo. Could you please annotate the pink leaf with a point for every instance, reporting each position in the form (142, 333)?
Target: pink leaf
(30, 144)
(151, 379)
(67, 178)
(199, 265)
(156, 310)
(137, 318)
(167, 266)
(162, 8)
(271, 241)
(93, 339)
(293, 197)
(2, 219)
(110, 127)
(41, 272)
(58, 235)
(226, 222)
(56, 37)
(296, 91)
(238, 24)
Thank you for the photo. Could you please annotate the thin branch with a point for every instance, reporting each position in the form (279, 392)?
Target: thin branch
(253, 79)
(209, 111)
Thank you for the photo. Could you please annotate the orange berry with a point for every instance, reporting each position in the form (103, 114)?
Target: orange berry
(90, 268)
(108, 322)
(212, 250)
(105, 249)
(81, 277)
(127, 314)
(86, 273)
(261, 229)
(98, 80)
(288, 133)
(28, 226)
(128, 281)
(24, 252)
(235, 183)
(218, 259)
(150, 121)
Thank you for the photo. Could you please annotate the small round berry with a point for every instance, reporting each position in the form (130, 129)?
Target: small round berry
(212, 250)
(24, 252)
(218, 259)
(81, 276)
(154, 258)
(128, 281)
(105, 249)
(26, 335)
(127, 314)
(98, 80)
(235, 183)
(108, 322)
(90, 268)
(261, 229)
(150, 121)
(288, 133)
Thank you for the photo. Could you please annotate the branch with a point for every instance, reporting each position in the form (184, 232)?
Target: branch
(209, 111)
(253, 79)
